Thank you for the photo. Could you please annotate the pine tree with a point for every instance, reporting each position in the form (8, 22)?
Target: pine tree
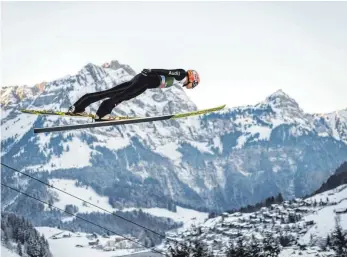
(6, 236)
(339, 239)
(271, 246)
(43, 247)
(231, 250)
(284, 240)
(279, 198)
(19, 249)
(312, 240)
(328, 242)
(292, 218)
(34, 248)
(179, 250)
(282, 220)
(241, 250)
(315, 203)
(199, 250)
(254, 247)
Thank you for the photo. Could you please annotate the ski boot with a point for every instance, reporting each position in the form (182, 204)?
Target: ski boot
(72, 111)
(107, 117)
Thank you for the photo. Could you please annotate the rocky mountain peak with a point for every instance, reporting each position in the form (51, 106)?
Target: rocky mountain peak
(280, 99)
(283, 107)
(115, 65)
(14, 94)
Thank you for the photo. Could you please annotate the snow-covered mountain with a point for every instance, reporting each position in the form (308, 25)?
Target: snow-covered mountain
(301, 226)
(218, 161)
(332, 124)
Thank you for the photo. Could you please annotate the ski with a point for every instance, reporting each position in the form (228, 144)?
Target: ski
(127, 121)
(58, 113)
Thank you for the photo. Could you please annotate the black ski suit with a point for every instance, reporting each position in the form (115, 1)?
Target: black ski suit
(154, 78)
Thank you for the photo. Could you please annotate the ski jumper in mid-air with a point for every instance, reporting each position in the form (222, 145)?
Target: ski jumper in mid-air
(147, 79)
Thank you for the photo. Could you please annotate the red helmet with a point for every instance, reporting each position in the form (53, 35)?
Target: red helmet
(193, 78)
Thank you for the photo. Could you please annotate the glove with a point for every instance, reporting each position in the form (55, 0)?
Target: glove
(146, 72)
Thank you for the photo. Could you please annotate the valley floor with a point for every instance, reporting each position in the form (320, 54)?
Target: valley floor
(67, 244)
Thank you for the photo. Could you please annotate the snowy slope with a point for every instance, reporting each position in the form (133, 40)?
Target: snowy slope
(68, 244)
(8, 253)
(216, 161)
(314, 221)
(324, 218)
(187, 216)
(87, 193)
(335, 195)
(182, 215)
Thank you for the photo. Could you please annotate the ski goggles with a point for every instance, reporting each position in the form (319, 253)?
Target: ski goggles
(193, 78)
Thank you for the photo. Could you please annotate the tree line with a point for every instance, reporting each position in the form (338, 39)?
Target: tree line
(19, 235)
(253, 208)
(269, 246)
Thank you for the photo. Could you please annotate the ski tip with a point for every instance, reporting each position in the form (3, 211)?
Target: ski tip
(217, 108)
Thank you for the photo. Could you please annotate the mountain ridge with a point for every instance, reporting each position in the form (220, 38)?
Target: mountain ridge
(339, 177)
(221, 160)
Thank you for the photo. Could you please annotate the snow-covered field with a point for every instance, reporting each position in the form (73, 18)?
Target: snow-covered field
(187, 216)
(67, 244)
(85, 193)
(324, 217)
(7, 253)
(324, 220)
(335, 195)
(78, 243)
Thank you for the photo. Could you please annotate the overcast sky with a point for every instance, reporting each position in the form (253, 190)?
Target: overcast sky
(244, 51)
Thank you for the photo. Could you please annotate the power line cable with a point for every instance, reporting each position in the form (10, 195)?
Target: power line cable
(30, 196)
(114, 214)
